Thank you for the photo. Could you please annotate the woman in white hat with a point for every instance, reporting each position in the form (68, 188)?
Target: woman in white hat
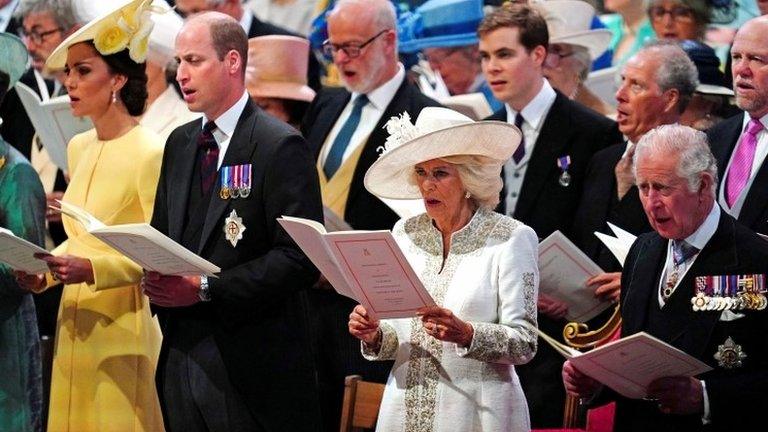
(106, 341)
(572, 47)
(454, 364)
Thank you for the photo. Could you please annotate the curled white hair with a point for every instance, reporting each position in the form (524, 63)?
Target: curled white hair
(695, 157)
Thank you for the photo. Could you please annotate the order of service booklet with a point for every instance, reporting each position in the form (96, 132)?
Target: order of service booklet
(628, 365)
(53, 122)
(366, 266)
(143, 244)
(19, 253)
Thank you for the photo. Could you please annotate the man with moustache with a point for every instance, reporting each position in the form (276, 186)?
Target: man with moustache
(543, 180)
(345, 128)
(740, 143)
(669, 278)
(235, 354)
(656, 85)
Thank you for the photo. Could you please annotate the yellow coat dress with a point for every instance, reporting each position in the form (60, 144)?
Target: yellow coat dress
(107, 343)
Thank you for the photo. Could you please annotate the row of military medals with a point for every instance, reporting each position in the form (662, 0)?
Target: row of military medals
(235, 181)
(730, 292)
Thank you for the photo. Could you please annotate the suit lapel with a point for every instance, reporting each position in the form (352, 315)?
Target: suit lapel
(239, 151)
(691, 332)
(641, 288)
(180, 183)
(378, 136)
(724, 142)
(326, 118)
(753, 211)
(549, 146)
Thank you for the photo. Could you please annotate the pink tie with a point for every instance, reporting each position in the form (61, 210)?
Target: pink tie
(741, 166)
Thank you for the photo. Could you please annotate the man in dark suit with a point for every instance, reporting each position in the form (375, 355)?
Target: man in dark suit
(740, 143)
(664, 281)
(543, 180)
(235, 353)
(656, 85)
(345, 128)
(253, 26)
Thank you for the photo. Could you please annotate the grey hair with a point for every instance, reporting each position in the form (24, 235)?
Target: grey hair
(692, 148)
(61, 10)
(480, 175)
(385, 18)
(582, 57)
(676, 70)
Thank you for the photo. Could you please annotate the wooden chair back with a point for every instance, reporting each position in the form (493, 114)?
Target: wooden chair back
(360, 409)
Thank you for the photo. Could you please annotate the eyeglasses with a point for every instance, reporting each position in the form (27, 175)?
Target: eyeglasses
(678, 13)
(38, 37)
(351, 49)
(553, 58)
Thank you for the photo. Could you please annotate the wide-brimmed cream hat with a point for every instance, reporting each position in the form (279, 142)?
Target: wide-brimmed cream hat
(277, 68)
(438, 133)
(127, 25)
(569, 21)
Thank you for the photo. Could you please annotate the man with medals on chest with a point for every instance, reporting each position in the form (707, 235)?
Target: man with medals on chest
(697, 283)
(235, 347)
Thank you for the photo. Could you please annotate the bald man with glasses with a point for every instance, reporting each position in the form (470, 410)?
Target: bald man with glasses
(345, 127)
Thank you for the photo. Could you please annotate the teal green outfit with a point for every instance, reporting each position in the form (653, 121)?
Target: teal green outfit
(615, 23)
(22, 210)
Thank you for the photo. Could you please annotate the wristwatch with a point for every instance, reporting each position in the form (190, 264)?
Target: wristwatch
(205, 293)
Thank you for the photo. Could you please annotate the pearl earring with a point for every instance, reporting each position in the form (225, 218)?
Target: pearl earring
(467, 195)
(114, 97)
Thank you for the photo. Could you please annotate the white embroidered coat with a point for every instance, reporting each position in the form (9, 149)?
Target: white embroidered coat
(490, 279)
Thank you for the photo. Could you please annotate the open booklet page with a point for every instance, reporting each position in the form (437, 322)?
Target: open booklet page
(19, 253)
(143, 244)
(564, 270)
(53, 121)
(367, 266)
(619, 245)
(628, 365)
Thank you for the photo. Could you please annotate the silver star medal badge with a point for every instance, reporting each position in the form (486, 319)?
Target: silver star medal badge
(233, 228)
(729, 355)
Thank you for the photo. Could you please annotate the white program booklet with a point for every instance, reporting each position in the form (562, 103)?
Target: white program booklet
(143, 244)
(628, 365)
(564, 270)
(19, 253)
(619, 245)
(53, 121)
(367, 266)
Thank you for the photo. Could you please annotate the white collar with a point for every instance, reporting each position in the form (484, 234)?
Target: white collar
(747, 118)
(246, 20)
(537, 108)
(706, 230)
(382, 95)
(227, 122)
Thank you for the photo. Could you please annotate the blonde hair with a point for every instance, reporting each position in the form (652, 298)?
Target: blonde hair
(480, 175)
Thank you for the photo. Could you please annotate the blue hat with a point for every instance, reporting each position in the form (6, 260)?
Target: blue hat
(440, 24)
(711, 79)
(13, 61)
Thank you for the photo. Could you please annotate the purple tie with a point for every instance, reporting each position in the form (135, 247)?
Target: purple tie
(741, 166)
(209, 156)
(517, 156)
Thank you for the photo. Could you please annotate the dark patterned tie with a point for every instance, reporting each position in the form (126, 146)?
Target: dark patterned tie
(682, 251)
(517, 156)
(209, 156)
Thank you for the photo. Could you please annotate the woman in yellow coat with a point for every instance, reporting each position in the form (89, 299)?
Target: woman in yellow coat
(106, 342)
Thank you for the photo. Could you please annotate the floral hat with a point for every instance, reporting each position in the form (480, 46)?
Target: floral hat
(438, 133)
(125, 27)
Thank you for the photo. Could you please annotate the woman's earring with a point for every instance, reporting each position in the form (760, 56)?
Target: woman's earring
(467, 195)
(114, 96)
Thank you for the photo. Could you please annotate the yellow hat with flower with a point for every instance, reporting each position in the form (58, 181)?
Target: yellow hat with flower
(126, 27)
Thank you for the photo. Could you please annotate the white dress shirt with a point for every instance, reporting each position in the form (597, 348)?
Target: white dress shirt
(378, 100)
(225, 126)
(760, 153)
(246, 20)
(6, 13)
(534, 115)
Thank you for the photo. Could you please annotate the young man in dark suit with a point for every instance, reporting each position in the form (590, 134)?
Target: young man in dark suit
(669, 278)
(235, 354)
(740, 143)
(543, 180)
(345, 128)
